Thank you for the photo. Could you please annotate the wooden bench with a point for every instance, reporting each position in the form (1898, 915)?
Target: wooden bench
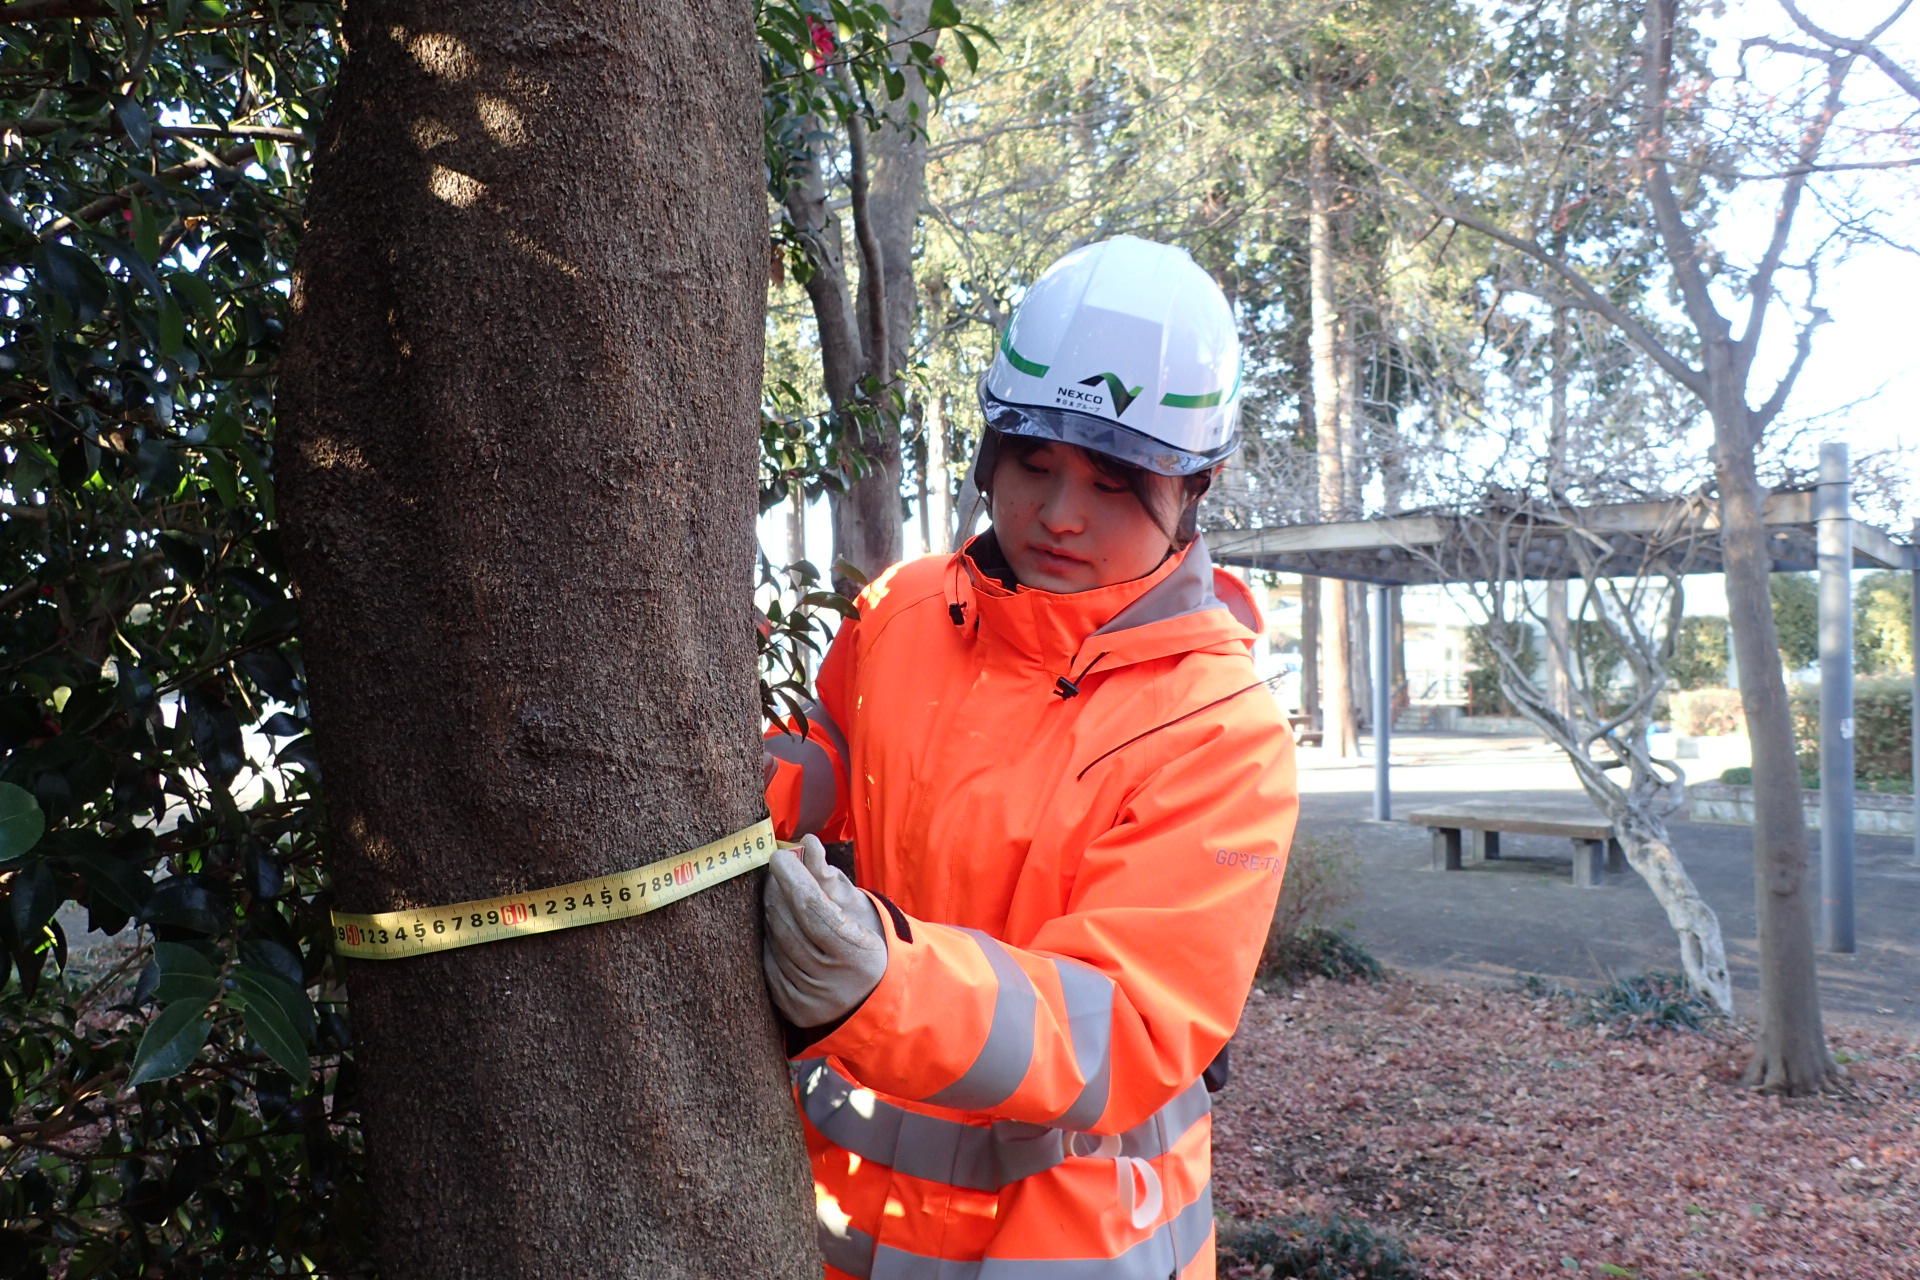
(1595, 849)
(1304, 734)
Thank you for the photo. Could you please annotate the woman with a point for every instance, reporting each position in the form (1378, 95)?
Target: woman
(1069, 800)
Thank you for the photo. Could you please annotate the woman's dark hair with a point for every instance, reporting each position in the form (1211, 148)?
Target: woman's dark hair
(1149, 489)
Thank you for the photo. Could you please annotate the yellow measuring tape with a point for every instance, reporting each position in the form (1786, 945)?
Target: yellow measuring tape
(395, 935)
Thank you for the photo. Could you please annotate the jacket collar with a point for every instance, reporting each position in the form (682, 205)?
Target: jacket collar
(1176, 608)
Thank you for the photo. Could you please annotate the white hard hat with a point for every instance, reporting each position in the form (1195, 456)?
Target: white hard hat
(1125, 347)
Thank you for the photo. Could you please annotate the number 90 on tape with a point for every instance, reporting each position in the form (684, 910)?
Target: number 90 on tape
(395, 935)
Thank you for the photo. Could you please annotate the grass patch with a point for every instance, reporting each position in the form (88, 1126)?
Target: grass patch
(1657, 1001)
(1318, 952)
(1649, 1002)
(1303, 1248)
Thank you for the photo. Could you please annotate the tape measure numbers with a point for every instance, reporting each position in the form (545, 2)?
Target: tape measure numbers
(395, 935)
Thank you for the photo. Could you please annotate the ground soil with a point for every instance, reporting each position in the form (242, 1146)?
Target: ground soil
(1464, 1113)
(1498, 1139)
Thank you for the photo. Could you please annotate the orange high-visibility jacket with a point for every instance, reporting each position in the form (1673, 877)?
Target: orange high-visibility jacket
(1074, 811)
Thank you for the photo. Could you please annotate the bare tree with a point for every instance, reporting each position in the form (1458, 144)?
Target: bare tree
(1630, 561)
(1676, 150)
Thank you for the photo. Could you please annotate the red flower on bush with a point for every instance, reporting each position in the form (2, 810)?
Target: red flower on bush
(823, 43)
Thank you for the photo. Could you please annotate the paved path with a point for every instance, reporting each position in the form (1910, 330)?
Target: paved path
(1493, 922)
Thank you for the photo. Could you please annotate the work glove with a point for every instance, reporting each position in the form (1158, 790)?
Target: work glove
(824, 950)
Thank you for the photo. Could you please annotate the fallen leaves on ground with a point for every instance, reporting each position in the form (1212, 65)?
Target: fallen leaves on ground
(1498, 1140)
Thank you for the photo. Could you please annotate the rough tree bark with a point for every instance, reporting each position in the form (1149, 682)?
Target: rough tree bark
(519, 458)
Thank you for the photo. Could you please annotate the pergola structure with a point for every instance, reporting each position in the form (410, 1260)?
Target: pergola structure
(1807, 529)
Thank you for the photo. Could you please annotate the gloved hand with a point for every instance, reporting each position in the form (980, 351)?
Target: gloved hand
(825, 951)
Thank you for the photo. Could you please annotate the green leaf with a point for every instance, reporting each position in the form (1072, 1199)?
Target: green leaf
(256, 468)
(945, 13)
(278, 1016)
(194, 294)
(21, 822)
(1614, 1269)
(112, 878)
(778, 42)
(173, 328)
(831, 600)
(32, 899)
(967, 50)
(185, 974)
(133, 118)
(146, 233)
(171, 1041)
(76, 278)
(896, 83)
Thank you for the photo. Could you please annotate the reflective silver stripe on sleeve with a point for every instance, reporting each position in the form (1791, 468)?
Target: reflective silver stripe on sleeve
(1089, 997)
(818, 781)
(817, 718)
(1008, 1052)
(1168, 1251)
(848, 1249)
(977, 1157)
(817, 784)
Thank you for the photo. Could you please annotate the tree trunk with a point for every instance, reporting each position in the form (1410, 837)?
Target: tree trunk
(867, 517)
(1401, 689)
(519, 458)
(1360, 655)
(1339, 730)
(1310, 648)
(1791, 1054)
(1637, 807)
(1559, 633)
(939, 473)
(1649, 851)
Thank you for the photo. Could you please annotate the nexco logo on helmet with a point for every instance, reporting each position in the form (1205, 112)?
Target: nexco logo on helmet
(1125, 347)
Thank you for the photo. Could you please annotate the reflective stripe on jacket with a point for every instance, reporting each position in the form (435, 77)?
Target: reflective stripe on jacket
(1075, 810)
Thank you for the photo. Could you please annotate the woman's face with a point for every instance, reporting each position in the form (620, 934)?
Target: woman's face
(1065, 525)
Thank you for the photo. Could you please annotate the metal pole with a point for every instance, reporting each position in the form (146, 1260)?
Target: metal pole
(1832, 509)
(1913, 742)
(1382, 703)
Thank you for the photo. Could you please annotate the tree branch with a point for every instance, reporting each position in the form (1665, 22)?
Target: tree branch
(1863, 47)
(872, 281)
(1583, 294)
(1760, 290)
(274, 133)
(1803, 347)
(1681, 245)
(108, 203)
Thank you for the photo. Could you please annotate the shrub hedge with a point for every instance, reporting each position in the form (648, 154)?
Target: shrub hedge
(1707, 713)
(1882, 726)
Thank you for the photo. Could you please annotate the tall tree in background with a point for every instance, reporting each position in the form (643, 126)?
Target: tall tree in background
(1691, 132)
(519, 462)
(847, 163)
